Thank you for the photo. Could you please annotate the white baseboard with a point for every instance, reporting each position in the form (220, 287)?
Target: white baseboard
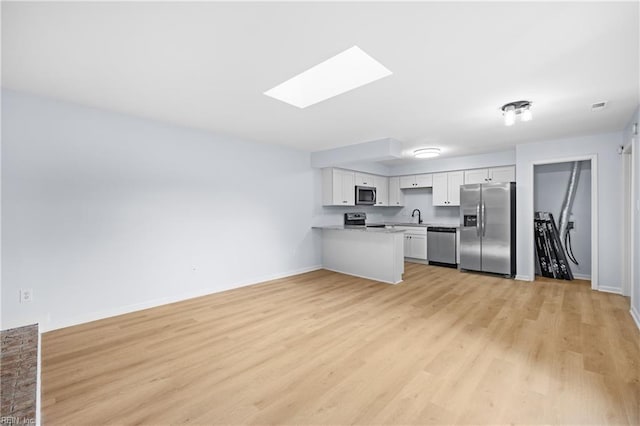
(414, 260)
(94, 316)
(614, 290)
(636, 316)
(582, 277)
(361, 276)
(524, 278)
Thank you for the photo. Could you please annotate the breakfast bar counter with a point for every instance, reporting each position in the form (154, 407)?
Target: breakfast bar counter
(373, 253)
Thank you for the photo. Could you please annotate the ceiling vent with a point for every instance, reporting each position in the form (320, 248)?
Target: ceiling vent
(598, 106)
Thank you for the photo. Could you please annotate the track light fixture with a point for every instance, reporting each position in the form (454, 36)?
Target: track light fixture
(511, 110)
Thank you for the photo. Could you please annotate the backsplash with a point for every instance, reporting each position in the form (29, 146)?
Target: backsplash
(422, 199)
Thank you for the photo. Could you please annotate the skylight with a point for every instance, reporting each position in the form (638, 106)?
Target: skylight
(345, 71)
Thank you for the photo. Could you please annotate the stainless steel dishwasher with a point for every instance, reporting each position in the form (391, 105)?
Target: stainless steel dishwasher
(441, 246)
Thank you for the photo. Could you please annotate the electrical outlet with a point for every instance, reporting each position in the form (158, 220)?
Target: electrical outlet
(26, 295)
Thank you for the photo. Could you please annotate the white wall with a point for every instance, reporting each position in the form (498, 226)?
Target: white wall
(479, 161)
(105, 213)
(630, 138)
(605, 147)
(549, 191)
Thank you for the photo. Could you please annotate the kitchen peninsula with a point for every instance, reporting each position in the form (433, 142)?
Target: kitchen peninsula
(373, 253)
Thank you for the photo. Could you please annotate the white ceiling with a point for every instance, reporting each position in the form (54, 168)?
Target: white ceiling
(206, 65)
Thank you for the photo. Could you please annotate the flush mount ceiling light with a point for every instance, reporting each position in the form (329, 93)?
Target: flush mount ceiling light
(513, 109)
(426, 152)
(344, 72)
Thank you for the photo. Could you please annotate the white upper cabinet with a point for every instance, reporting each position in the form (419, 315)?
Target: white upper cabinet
(381, 184)
(416, 181)
(365, 179)
(455, 180)
(440, 189)
(502, 174)
(446, 188)
(396, 196)
(338, 187)
(424, 181)
(476, 176)
(496, 174)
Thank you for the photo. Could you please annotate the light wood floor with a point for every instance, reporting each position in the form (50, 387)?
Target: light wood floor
(323, 348)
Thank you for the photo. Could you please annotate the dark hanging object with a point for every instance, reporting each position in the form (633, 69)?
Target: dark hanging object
(550, 252)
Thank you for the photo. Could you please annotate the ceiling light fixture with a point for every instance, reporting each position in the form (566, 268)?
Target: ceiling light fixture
(426, 152)
(511, 110)
(341, 73)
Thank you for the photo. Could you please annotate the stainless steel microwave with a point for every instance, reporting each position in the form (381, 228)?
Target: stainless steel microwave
(365, 195)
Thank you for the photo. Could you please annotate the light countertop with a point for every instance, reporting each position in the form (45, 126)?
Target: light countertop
(359, 229)
(422, 225)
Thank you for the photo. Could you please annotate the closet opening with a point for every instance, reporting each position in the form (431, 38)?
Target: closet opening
(564, 217)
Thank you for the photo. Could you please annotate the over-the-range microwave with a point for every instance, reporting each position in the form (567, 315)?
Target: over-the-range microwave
(365, 195)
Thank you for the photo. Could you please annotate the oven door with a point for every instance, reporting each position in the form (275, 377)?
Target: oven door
(365, 195)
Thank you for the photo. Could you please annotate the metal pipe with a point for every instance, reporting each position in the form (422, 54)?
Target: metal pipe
(567, 203)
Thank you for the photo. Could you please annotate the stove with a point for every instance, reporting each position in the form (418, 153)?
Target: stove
(357, 219)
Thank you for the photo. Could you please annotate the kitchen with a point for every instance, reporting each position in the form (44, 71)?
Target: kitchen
(431, 232)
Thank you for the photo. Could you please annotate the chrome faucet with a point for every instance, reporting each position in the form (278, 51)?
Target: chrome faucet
(413, 214)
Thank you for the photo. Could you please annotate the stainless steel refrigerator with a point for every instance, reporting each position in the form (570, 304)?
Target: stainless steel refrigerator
(488, 227)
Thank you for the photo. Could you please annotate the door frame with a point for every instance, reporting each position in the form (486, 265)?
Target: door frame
(628, 172)
(594, 210)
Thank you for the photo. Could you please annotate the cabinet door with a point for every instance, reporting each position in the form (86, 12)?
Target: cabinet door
(476, 176)
(364, 179)
(348, 188)
(407, 182)
(424, 181)
(440, 191)
(382, 190)
(418, 246)
(455, 179)
(407, 246)
(502, 174)
(396, 196)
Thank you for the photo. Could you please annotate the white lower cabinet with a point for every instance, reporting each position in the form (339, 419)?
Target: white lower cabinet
(415, 242)
(417, 247)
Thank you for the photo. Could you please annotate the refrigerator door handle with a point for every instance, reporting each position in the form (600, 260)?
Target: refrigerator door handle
(478, 218)
(484, 221)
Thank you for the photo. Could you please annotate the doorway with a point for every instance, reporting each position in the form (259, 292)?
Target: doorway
(550, 193)
(549, 189)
